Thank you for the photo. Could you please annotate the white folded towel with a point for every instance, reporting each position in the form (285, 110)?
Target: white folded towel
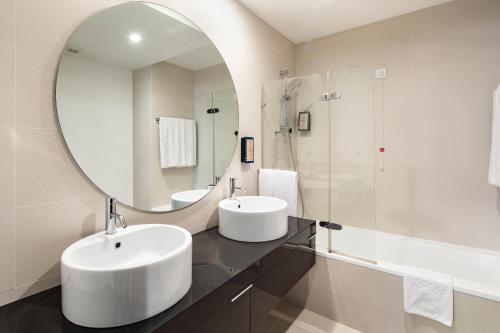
(494, 170)
(280, 184)
(428, 294)
(177, 142)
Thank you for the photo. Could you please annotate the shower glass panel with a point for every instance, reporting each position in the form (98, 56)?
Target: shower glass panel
(352, 163)
(313, 146)
(275, 156)
(306, 152)
(334, 159)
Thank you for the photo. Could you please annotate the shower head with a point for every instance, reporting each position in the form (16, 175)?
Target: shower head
(293, 86)
(296, 84)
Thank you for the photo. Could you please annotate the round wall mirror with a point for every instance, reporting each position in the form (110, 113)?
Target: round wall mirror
(147, 106)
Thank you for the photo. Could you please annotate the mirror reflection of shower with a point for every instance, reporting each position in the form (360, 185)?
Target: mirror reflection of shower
(212, 111)
(215, 116)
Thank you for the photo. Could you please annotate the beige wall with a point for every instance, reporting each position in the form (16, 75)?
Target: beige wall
(45, 203)
(372, 302)
(212, 78)
(443, 64)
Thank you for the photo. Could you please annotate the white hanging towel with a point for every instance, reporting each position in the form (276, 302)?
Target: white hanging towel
(428, 294)
(280, 184)
(494, 170)
(177, 142)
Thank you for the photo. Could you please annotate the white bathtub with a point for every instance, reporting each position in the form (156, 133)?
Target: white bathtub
(474, 271)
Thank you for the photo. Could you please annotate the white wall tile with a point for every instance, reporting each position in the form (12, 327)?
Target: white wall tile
(44, 169)
(44, 231)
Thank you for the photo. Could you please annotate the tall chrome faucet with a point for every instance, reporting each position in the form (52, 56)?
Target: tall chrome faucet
(112, 216)
(232, 187)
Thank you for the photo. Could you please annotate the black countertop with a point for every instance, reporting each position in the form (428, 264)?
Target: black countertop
(216, 261)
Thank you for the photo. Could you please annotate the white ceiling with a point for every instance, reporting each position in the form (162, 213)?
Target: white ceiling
(304, 20)
(166, 36)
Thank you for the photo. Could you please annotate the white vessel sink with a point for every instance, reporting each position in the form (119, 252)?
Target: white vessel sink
(258, 219)
(185, 198)
(127, 277)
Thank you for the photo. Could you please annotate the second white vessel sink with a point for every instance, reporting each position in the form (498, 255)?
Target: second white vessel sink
(253, 218)
(186, 198)
(132, 275)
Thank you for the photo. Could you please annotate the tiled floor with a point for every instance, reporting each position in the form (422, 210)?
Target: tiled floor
(290, 319)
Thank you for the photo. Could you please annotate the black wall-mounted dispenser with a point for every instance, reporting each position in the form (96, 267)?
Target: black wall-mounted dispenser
(247, 149)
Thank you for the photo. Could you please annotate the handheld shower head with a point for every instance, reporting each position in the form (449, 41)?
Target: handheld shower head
(299, 84)
(293, 86)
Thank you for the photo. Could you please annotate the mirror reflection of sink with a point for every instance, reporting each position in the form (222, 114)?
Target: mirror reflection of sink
(253, 218)
(186, 198)
(127, 277)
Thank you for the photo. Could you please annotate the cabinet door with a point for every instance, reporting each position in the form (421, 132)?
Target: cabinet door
(233, 317)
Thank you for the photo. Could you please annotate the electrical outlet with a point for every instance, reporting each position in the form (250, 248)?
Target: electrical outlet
(381, 73)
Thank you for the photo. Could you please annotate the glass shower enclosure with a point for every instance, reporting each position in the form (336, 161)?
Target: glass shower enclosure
(334, 157)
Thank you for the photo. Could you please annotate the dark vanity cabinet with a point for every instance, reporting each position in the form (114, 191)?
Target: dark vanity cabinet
(250, 296)
(233, 317)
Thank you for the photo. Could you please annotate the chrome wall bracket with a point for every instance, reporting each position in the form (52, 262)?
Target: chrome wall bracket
(284, 73)
(329, 97)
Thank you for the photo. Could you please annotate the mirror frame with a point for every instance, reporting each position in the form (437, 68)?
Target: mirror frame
(65, 143)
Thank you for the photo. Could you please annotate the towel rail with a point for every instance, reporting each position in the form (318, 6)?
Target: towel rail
(157, 119)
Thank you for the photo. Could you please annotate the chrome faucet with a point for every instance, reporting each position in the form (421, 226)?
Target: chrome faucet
(232, 187)
(216, 181)
(112, 216)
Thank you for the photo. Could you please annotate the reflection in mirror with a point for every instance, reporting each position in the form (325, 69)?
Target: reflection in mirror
(147, 106)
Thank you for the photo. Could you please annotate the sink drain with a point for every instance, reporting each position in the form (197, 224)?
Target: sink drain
(117, 245)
